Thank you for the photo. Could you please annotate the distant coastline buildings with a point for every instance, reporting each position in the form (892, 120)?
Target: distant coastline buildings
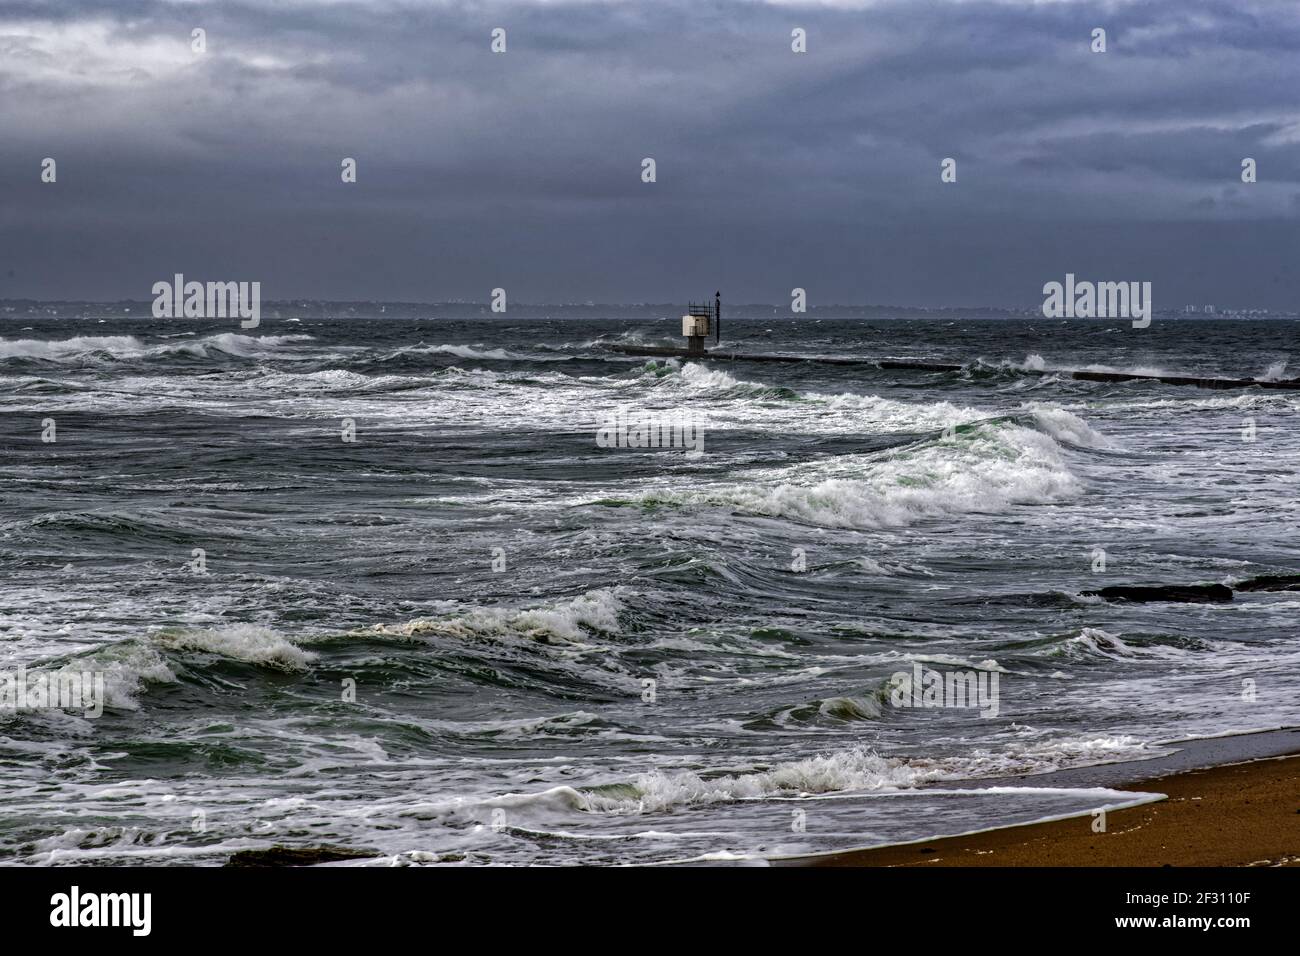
(476, 310)
(1210, 310)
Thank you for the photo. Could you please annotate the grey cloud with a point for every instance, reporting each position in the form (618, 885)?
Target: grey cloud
(775, 170)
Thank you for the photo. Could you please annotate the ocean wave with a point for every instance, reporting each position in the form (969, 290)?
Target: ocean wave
(856, 770)
(248, 643)
(476, 353)
(249, 346)
(985, 468)
(660, 790)
(701, 378)
(1151, 370)
(1093, 642)
(61, 349)
(850, 708)
(127, 347)
(1045, 755)
(1034, 362)
(465, 351)
(956, 660)
(1245, 400)
(334, 380)
(126, 667)
(853, 408)
(716, 381)
(129, 667)
(111, 523)
(1067, 427)
(568, 622)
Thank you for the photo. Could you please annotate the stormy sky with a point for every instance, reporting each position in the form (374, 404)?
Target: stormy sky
(775, 169)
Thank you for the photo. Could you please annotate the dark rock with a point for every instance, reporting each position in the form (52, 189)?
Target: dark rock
(298, 856)
(1271, 582)
(1181, 593)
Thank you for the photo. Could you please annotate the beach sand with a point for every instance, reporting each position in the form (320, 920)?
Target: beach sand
(1244, 814)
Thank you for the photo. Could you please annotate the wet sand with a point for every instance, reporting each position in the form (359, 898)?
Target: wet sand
(1241, 814)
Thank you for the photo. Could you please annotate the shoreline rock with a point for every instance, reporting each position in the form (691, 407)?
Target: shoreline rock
(1179, 593)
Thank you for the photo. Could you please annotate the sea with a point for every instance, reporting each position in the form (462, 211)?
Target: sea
(376, 584)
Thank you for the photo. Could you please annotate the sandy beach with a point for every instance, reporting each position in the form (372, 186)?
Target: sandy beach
(1245, 814)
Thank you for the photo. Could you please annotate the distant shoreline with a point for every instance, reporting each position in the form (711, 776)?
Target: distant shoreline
(26, 310)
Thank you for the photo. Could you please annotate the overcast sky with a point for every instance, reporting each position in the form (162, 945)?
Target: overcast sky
(775, 169)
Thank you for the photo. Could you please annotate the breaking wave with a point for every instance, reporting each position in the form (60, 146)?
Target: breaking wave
(83, 348)
(856, 770)
(564, 621)
(239, 642)
(984, 468)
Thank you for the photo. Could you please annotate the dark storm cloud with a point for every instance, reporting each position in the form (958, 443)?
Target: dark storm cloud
(775, 170)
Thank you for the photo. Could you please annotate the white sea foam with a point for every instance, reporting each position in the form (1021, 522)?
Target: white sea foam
(461, 351)
(850, 708)
(1068, 427)
(240, 642)
(1045, 755)
(1244, 400)
(331, 380)
(954, 660)
(1153, 370)
(871, 566)
(232, 343)
(465, 351)
(1094, 641)
(988, 469)
(127, 667)
(852, 408)
(857, 770)
(1275, 372)
(59, 349)
(705, 378)
(566, 621)
(660, 790)
(124, 347)
(886, 414)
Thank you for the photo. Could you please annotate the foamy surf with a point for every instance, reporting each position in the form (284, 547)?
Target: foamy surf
(566, 655)
(248, 643)
(658, 791)
(129, 347)
(571, 622)
(984, 468)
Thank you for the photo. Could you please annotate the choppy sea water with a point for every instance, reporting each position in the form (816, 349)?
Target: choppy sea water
(648, 678)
